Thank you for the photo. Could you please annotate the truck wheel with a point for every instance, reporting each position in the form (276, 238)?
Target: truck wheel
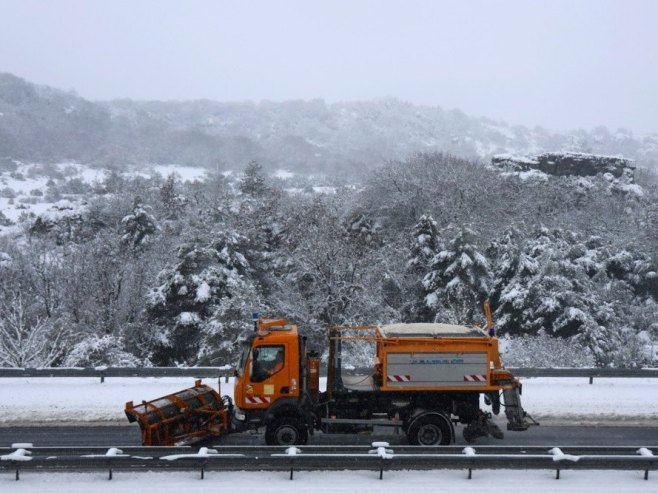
(286, 431)
(429, 430)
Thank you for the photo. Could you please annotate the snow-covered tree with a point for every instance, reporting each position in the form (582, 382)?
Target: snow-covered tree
(203, 303)
(327, 275)
(425, 244)
(173, 202)
(101, 350)
(562, 284)
(138, 227)
(25, 339)
(545, 290)
(253, 182)
(459, 281)
(362, 230)
(544, 351)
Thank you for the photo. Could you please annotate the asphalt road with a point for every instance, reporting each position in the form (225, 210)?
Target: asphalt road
(117, 436)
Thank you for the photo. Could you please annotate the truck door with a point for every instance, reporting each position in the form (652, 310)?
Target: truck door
(268, 376)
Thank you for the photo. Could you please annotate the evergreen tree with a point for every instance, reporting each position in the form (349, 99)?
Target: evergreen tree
(425, 244)
(172, 202)
(253, 182)
(544, 288)
(203, 303)
(138, 227)
(458, 282)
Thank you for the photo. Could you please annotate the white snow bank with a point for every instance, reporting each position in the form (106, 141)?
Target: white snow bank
(76, 399)
(73, 400)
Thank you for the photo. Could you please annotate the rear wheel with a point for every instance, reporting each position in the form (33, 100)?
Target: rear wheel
(286, 431)
(429, 431)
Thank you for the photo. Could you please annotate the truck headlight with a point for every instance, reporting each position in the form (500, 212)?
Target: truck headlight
(239, 414)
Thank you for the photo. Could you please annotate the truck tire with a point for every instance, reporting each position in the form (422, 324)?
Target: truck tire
(286, 431)
(430, 430)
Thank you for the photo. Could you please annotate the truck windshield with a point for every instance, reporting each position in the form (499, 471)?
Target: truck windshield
(266, 361)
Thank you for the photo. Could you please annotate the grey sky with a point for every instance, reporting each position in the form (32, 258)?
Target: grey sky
(559, 64)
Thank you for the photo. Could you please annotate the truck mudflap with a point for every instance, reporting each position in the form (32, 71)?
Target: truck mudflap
(517, 418)
(182, 418)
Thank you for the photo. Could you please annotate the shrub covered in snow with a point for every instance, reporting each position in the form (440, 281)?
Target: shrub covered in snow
(543, 351)
(97, 350)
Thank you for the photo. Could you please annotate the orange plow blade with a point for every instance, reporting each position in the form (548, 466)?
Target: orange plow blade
(181, 418)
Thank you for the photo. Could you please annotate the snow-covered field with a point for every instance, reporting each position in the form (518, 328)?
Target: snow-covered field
(550, 400)
(24, 191)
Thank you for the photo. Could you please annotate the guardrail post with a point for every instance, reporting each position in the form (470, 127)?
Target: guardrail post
(591, 379)
(470, 451)
(292, 452)
(383, 454)
(645, 452)
(103, 381)
(110, 475)
(557, 473)
(18, 475)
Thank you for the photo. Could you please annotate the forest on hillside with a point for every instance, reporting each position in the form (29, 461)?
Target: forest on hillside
(164, 272)
(46, 125)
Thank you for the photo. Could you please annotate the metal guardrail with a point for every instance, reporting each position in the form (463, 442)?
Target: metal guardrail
(103, 372)
(225, 372)
(590, 373)
(379, 457)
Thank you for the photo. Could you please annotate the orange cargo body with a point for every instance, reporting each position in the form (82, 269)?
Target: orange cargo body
(436, 357)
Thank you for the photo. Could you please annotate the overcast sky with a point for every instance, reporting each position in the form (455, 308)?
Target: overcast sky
(560, 64)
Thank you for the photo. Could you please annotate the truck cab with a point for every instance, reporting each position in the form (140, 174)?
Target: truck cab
(269, 382)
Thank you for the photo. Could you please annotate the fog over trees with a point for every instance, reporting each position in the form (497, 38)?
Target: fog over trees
(161, 271)
(43, 124)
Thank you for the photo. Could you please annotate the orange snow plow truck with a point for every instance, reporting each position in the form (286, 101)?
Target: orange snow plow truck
(425, 379)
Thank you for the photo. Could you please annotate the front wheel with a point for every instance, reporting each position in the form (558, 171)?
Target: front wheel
(429, 431)
(286, 431)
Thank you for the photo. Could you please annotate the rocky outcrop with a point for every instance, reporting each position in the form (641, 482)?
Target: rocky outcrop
(567, 163)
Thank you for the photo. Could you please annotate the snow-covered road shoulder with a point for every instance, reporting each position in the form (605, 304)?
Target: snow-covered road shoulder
(568, 401)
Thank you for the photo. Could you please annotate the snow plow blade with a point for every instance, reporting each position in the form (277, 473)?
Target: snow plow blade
(181, 418)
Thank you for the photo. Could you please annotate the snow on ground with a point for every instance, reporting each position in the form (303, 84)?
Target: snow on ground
(23, 192)
(325, 190)
(72, 400)
(549, 400)
(438, 481)
(17, 191)
(283, 174)
(186, 173)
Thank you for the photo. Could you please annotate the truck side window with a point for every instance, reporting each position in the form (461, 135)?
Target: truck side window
(266, 361)
(243, 360)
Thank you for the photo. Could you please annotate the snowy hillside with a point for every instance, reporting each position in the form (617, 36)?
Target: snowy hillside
(60, 192)
(340, 138)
